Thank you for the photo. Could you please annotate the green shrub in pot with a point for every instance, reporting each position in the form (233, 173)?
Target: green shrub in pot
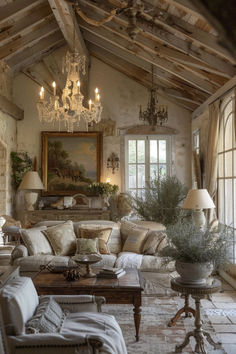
(196, 250)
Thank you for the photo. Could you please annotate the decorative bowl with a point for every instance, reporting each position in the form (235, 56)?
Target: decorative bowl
(87, 259)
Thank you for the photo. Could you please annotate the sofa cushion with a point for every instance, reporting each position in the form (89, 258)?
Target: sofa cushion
(154, 238)
(108, 260)
(19, 300)
(135, 240)
(102, 235)
(127, 228)
(87, 245)
(151, 225)
(114, 242)
(62, 238)
(33, 263)
(35, 241)
(48, 317)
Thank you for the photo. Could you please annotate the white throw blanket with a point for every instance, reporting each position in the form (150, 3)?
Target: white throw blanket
(129, 260)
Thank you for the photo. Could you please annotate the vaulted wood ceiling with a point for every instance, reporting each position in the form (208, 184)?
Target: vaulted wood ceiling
(189, 62)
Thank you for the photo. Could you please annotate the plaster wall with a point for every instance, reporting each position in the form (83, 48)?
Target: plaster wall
(8, 144)
(121, 98)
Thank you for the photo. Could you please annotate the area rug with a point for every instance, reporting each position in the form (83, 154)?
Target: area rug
(155, 336)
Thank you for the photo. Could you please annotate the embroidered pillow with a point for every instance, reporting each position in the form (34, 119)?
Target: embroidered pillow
(87, 245)
(102, 235)
(35, 241)
(48, 317)
(127, 227)
(62, 238)
(154, 238)
(135, 240)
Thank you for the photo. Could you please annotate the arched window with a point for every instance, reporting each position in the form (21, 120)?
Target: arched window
(227, 165)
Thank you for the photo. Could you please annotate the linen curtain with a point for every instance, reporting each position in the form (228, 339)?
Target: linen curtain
(212, 154)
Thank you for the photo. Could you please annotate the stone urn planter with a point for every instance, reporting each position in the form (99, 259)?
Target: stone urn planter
(194, 273)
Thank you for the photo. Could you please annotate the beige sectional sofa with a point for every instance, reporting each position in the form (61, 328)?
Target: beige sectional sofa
(147, 263)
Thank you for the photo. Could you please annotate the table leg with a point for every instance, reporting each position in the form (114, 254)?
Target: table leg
(198, 333)
(187, 309)
(137, 315)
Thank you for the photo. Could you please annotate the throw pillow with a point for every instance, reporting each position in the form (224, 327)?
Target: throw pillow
(48, 317)
(163, 243)
(126, 228)
(102, 235)
(35, 241)
(135, 240)
(87, 245)
(62, 238)
(152, 242)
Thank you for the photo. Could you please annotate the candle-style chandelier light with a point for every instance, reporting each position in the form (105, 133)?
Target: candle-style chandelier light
(155, 114)
(69, 108)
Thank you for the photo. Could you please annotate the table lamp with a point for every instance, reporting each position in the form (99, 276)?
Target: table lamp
(31, 181)
(198, 199)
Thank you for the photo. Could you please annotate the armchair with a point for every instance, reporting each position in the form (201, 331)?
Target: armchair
(83, 329)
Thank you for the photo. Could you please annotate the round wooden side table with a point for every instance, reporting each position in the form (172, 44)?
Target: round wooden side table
(197, 293)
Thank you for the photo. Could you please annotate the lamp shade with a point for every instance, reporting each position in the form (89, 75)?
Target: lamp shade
(198, 199)
(31, 180)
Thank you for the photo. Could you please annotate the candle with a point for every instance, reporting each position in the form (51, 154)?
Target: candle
(108, 180)
(90, 104)
(98, 97)
(54, 88)
(41, 93)
(96, 91)
(78, 85)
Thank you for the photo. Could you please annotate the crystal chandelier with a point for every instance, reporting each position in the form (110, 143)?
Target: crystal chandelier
(69, 109)
(155, 113)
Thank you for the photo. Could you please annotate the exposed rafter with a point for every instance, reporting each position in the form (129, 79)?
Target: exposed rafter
(167, 38)
(36, 52)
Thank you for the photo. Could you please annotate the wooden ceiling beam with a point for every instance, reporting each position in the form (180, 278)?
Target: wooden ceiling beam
(9, 29)
(35, 53)
(19, 43)
(175, 24)
(167, 38)
(11, 108)
(175, 70)
(154, 47)
(139, 75)
(64, 15)
(15, 8)
(134, 59)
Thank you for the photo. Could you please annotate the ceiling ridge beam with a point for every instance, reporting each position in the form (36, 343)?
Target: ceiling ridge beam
(64, 15)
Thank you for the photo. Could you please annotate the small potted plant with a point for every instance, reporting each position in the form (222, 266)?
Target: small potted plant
(196, 252)
(104, 190)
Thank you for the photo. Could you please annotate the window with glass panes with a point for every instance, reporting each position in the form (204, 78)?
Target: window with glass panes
(146, 157)
(227, 166)
(196, 141)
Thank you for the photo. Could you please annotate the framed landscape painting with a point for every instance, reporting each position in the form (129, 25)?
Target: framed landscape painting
(70, 161)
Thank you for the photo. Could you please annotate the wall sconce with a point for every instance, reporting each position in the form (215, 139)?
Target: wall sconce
(113, 162)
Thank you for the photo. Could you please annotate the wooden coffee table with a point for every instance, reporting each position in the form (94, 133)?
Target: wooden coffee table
(125, 290)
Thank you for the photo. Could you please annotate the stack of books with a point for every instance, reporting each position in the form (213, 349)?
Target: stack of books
(111, 273)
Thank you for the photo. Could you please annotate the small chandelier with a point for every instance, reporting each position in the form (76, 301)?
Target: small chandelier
(69, 108)
(155, 113)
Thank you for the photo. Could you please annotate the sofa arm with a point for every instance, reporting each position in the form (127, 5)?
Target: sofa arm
(19, 252)
(44, 343)
(79, 303)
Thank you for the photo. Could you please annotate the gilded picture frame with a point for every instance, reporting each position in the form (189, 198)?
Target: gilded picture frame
(70, 161)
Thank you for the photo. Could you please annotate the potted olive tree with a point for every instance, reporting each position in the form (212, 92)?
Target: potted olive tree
(196, 252)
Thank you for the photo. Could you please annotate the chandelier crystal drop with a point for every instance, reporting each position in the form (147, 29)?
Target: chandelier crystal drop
(155, 114)
(69, 109)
